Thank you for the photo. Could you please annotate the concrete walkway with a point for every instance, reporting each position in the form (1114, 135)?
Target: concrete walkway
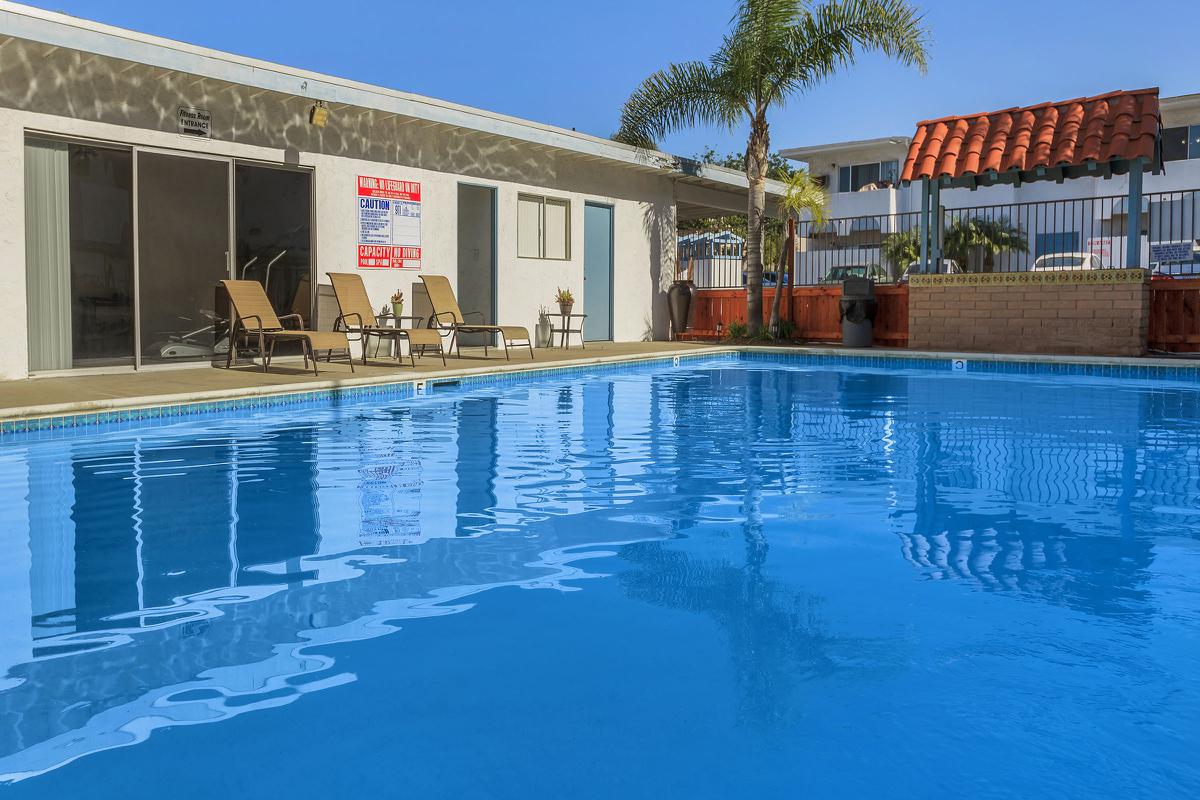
(92, 392)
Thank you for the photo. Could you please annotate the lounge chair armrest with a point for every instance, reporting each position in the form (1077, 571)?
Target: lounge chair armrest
(437, 317)
(344, 319)
(246, 328)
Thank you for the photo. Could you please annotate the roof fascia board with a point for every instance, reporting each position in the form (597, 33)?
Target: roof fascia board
(801, 153)
(25, 22)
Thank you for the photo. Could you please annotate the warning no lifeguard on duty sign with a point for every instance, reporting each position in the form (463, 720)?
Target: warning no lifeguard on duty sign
(389, 223)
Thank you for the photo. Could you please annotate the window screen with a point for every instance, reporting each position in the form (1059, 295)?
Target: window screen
(543, 227)
(529, 226)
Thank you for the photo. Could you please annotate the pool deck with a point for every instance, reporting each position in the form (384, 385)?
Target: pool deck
(106, 391)
(94, 392)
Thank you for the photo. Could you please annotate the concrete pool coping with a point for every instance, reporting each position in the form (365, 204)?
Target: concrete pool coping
(102, 394)
(288, 378)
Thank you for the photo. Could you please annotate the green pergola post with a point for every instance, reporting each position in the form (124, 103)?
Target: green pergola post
(1133, 219)
(924, 219)
(935, 227)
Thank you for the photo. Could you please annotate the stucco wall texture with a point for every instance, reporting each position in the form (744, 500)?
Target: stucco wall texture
(74, 94)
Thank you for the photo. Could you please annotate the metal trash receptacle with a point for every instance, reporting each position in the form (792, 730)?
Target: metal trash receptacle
(857, 312)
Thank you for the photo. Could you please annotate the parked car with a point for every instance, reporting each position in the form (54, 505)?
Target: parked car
(949, 267)
(1054, 262)
(771, 279)
(839, 274)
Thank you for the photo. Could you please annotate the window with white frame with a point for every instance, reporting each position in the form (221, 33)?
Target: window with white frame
(543, 227)
(853, 177)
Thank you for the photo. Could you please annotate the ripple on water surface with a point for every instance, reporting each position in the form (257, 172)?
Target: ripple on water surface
(709, 581)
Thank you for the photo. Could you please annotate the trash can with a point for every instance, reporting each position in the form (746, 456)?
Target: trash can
(857, 312)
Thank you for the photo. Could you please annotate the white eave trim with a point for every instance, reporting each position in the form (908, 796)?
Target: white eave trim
(804, 153)
(61, 30)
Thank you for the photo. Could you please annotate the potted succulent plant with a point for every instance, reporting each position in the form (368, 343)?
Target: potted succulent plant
(565, 300)
(543, 326)
(397, 303)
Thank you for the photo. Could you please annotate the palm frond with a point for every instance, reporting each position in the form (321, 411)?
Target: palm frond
(833, 35)
(678, 97)
(803, 194)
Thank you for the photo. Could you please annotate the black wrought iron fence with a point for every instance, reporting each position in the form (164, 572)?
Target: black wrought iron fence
(1082, 233)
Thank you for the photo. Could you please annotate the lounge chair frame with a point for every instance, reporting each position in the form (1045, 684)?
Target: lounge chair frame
(452, 318)
(269, 329)
(353, 322)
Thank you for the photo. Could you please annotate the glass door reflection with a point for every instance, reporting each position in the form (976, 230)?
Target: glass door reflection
(183, 250)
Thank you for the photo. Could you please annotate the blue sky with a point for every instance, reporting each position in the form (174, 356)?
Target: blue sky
(573, 64)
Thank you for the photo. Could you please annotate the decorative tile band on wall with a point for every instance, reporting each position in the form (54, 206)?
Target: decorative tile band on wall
(1058, 277)
(68, 426)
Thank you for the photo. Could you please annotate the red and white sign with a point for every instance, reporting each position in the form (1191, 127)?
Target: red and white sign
(1101, 246)
(389, 223)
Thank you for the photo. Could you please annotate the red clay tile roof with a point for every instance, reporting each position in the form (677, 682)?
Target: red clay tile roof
(1109, 127)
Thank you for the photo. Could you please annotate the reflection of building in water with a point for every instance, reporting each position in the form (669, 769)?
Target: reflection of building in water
(183, 576)
(1021, 484)
(398, 494)
(1047, 491)
(135, 526)
(181, 580)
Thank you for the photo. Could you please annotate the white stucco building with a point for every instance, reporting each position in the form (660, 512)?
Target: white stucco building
(1079, 214)
(139, 171)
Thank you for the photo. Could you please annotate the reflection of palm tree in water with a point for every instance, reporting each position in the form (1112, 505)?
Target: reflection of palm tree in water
(776, 636)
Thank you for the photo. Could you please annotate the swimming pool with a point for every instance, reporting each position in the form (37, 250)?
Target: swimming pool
(736, 578)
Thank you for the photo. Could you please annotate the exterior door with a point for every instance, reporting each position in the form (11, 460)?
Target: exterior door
(597, 272)
(183, 250)
(477, 256)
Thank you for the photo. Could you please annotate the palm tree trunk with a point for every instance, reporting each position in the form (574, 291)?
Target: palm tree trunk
(756, 174)
(773, 327)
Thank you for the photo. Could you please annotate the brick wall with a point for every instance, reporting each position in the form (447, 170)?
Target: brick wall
(1102, 312)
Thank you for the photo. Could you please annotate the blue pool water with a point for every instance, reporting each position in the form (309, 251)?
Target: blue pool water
(718, 580)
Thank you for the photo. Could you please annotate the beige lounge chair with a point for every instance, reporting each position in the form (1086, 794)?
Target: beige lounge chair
(448, 316)
(253, 316)
(356, 315)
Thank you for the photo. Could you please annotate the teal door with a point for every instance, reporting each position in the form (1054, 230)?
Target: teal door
(597, 272)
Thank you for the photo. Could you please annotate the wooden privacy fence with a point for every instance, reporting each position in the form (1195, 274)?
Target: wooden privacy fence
(812, 311)
(1174, 324)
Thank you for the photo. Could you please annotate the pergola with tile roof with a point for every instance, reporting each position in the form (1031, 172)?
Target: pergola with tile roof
(1110, 134)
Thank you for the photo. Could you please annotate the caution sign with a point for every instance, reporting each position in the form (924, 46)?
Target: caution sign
(389, 223)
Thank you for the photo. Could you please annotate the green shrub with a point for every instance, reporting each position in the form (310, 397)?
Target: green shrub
(738, 330)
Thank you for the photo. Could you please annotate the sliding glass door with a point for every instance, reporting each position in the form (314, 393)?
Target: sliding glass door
(79, 254)
(183, 251)
(125, 248)
(273, 233)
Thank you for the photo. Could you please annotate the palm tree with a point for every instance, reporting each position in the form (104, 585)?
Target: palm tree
(992, 236)
(900, 249)
(775, 49)
(801, 194)
(963, 236)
